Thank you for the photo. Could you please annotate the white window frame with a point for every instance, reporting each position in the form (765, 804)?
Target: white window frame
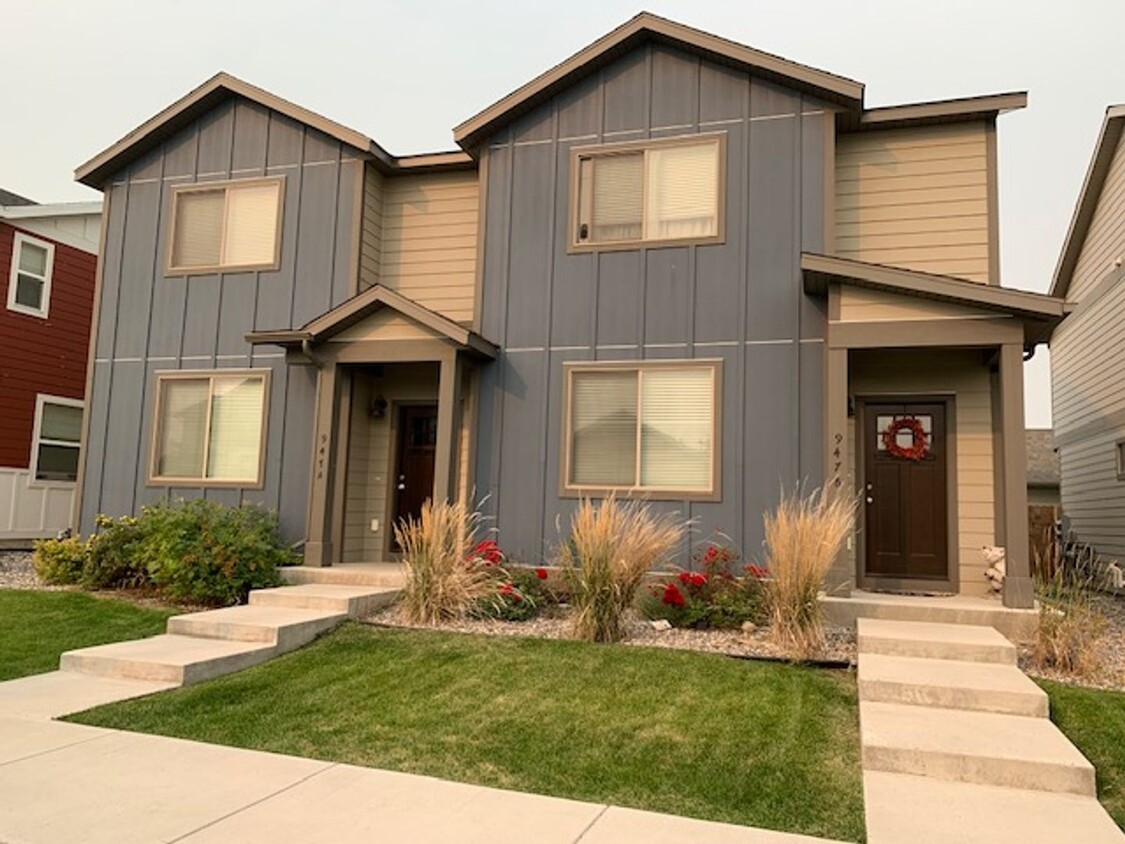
(156, 479)
(580, 154)
(714, 490)
(13, 275)
(171, 269)
(42, 399)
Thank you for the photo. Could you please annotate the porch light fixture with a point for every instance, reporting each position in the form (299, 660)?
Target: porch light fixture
(378, 408)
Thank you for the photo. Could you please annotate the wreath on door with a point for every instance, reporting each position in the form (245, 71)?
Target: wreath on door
(917, 448)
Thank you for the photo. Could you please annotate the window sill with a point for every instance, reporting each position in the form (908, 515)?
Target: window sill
(627, 245)
(32, 312)
(640, 493)
(202, 483)
(186, 272)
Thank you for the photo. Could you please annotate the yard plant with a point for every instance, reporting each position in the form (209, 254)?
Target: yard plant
(1071, 627)
(803, 536)
(612, 546)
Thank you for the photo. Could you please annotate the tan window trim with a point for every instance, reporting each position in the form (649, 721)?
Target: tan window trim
(582, 153)
(154, 479)
(200, 187)
(713, 493)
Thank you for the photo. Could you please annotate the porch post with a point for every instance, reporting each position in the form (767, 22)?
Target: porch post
(836, 456)
(318, 542)
(1018, 587)
(449, 412)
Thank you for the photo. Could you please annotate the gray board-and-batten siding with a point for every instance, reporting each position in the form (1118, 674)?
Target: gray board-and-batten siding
(740, 301)
(148, 322)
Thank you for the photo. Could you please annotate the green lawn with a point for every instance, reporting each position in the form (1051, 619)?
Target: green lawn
(1095, 721)
(35, 627)
(700, 735)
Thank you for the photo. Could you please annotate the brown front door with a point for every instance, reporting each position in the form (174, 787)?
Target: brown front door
(904, 496)
(414, 478)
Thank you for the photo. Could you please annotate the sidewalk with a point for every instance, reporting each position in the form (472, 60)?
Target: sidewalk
(62, 782)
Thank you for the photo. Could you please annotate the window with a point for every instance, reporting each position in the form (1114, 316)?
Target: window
(230, 226)
(1119, 448)
(650, 427)
(630, 194)
(55, 442)
(29, 284)
(209, 428)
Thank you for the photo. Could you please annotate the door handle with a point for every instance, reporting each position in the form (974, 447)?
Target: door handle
(870, 500)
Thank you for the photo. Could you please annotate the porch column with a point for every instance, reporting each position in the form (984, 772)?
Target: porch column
(836, 455)
(318, 542)
(448, 427)
(1018, 588)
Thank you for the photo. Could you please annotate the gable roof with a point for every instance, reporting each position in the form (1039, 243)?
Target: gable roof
(9, 198)
(649, 27)
(365, 304)
(1040, 313)
(1112, 126)
(188, 108)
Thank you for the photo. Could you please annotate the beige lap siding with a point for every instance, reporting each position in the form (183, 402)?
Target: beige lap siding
(915, 198)
(962, 373)
(859, 304)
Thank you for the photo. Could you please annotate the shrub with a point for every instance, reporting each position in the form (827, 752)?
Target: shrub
(803, 536)
(59, 561)
(612, 546)
(1071, 628)
(712, 598)
(517, 596)
(447, 571)
(114, 560)
(201, 552)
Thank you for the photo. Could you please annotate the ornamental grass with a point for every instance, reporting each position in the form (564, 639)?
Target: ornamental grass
(612, 546)
(445, 576)
(1071, 627)
(803, 536)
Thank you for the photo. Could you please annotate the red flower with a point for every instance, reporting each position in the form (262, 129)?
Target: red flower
(489, 551)
(506, 589)
(684, 577)
(698, 580)
(758, 572)
(541, 573)
(673, 596)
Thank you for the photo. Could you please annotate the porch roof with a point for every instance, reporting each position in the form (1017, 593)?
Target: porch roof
(1038, 312)
(365, 304)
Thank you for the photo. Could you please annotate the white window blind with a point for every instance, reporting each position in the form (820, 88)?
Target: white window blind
(644, 428)
(604, 427)
(683, 192)
(227, 227)
(236, 428)
(664, 192)
(618, 197)
(210, 428)
(677, 421)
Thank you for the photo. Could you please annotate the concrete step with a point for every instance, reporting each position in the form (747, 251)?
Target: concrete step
(979, 747)
(1017, 625)
(928, 640)
(352, 601)
(978, 686)
(283, 627)
(922, 810)
(168, 658)
(348, 574)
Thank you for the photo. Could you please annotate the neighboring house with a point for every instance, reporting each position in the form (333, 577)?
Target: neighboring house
(1043, 474)
(1088, 350)
(48, 255)
(672, 266)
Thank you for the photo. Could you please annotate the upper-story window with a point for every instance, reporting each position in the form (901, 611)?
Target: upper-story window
(29, 284)
(648, 192)
(226, 226)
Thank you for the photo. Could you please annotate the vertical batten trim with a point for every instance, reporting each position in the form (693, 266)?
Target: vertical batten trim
(545, 357)
(829, 195)
(993, 187)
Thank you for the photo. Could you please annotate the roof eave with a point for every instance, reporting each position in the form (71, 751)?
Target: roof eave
(827, 86)
(935, 112)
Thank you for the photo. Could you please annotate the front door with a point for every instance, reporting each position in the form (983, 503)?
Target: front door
(414, 478)
(904, 496)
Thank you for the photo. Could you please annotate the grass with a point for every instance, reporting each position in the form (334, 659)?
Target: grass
(1094, 720)
(35, 627)
(705, 736)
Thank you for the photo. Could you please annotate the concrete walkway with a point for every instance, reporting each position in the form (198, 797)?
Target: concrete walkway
(957, 745)
(63, 783)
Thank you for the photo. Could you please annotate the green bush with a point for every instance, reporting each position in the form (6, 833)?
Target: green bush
(59, 561)
(113, 559)
(520, 594)
(712, 598)
(201, 552)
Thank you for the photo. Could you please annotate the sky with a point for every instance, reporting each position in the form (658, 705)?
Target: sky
(80, 75)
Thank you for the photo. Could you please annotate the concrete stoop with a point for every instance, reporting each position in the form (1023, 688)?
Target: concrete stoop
(204, 645)
(957, 745)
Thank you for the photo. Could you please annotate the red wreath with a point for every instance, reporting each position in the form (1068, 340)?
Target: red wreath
(917, 449)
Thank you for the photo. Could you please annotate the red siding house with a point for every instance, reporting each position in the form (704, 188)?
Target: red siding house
(48, 258)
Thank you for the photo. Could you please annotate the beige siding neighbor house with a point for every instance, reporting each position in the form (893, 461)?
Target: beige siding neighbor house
(1088, 350)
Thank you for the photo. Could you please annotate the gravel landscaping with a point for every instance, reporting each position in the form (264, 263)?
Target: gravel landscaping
(16, 571)
(554, 623)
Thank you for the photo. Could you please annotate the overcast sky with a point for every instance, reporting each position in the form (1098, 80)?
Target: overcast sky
(79, 75)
